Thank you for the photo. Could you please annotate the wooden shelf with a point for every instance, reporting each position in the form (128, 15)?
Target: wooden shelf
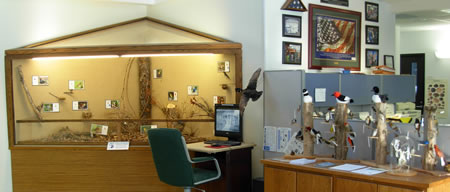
(111, 120)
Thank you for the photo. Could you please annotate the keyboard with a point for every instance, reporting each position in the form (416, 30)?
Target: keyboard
(226, 143)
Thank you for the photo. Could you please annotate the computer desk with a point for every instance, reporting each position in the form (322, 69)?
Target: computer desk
(235, 164)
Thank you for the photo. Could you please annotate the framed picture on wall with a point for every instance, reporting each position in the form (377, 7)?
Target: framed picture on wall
(334, 38)
(336, 2)
(371, 12)
(372, 34)
(292, 26)
(372, 58)
(292, 53)
(389, 61)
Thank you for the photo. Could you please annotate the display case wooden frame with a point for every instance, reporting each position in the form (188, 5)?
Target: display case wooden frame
(219, 46)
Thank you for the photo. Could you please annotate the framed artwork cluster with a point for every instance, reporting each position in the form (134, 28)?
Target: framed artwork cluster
(372, 34)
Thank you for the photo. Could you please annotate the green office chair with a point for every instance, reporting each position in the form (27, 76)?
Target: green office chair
(172, 161)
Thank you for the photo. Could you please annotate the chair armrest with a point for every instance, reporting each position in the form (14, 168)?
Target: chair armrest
(202, 159)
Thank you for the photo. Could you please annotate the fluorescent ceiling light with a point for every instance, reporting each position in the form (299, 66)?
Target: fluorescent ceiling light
(446, 10)
(76, 57)
(165, 55)
(442, 54)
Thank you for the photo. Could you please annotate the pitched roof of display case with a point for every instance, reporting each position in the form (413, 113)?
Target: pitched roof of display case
(143, 34)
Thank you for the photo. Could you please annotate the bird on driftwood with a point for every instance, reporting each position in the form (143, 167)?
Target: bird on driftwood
(306, 97)
(342, 98)
(377, 98)
(250, 92)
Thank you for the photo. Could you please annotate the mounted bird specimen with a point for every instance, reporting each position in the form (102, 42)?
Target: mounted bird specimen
(342, 98)
(250, 92)
(377, 98)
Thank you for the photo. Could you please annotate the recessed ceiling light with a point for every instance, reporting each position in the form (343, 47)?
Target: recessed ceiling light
(445, 10)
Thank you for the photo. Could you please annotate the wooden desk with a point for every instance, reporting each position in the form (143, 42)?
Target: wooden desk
(284, 177)
(235, 164)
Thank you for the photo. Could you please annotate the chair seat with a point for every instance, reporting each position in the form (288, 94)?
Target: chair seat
(203, 174)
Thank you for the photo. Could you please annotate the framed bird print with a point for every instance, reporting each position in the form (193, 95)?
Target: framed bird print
(335, 38)
(292, 53)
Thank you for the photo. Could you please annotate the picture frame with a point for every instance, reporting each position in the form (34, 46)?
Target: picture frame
(294, 5)
(389, 61)
(292, 53)
(371, 11)
(292, 26)
(372, 58)
(334, 38)
(372, 35)
(336, 2)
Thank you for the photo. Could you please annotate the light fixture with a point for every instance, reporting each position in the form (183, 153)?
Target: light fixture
(442, 54)
(446, 10)
(76, 57)
(166, 54)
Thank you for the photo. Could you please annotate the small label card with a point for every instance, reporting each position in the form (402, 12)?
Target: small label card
(51, 107)
(118, 145)
(39, 80)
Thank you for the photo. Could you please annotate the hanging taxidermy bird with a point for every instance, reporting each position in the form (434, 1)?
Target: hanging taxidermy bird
(306, 97)
(417, 127)
(377, 98)
(250, 92)
(342, 98)
(350, 142)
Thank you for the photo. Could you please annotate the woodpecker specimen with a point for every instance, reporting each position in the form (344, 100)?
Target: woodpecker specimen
(250, 92)
(306, 97)
(342, 98)
(316, 134)
(350, 141)
(440, 154)
(331, 142)
(417, 127)
(299, 135)
(377, 98)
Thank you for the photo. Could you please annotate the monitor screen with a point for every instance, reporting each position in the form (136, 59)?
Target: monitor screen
(228, 121)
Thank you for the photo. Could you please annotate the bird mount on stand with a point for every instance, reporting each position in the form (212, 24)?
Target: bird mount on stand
(341, 132)
(429, 158)
(308, 139)
(381, 146)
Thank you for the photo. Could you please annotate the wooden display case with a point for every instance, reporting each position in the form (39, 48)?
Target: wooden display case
(45, 141)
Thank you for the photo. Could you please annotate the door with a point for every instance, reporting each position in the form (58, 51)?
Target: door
(414, 64)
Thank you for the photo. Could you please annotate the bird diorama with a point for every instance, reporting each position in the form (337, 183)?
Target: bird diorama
(250, 92)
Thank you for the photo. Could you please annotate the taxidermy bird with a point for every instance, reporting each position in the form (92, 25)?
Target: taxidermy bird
(299, 135)
(350, 142)
(331, 142)
(440, 154)
(250, 92)
(377, 98)
(316, 134)
(417, 126)
(306, 97)
(342, 98)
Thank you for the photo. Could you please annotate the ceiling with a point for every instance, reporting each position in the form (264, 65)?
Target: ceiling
(421, 13)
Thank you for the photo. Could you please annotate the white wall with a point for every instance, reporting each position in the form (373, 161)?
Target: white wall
(25, 22)
(428, 41)
(273, 32)
(236, 20)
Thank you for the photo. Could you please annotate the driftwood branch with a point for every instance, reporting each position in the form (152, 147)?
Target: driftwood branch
(381, 146)
(30, 99)
(429, 160)
(308, 139)
(341, 132)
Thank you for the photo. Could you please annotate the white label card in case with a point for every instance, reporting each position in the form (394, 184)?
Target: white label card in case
(75, 106)
(35, 80)
(118, 145)
(104, 130)
(71, 84)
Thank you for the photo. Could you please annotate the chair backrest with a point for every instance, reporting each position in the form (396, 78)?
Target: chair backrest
(169, 155)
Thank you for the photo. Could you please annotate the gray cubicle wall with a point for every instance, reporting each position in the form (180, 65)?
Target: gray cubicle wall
(359, 87)
(400, 88)
(329, 81)
(282, 96)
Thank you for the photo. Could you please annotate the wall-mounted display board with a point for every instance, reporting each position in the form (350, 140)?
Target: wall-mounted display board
(76, 93)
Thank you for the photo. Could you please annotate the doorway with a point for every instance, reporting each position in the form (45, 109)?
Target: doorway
(414, 64)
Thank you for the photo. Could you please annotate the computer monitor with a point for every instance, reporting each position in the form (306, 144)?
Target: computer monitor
(228, 122)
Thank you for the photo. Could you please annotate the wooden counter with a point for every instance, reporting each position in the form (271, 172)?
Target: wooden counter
(284, 177)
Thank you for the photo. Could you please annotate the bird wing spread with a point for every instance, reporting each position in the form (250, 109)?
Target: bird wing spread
(254, 79)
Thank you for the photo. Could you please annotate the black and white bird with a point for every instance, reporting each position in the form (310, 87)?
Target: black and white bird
(417, 127)
(377, 98)
(306, 97)
(250, 92)
(342, 98)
